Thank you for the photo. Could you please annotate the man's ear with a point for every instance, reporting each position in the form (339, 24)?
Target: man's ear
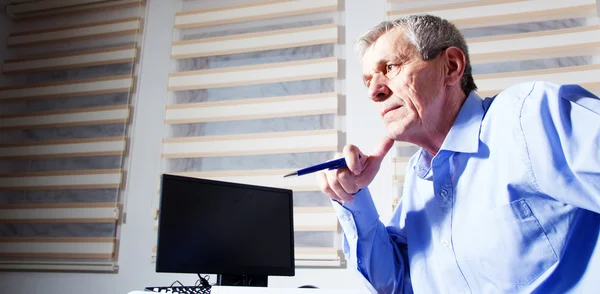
(455, 65)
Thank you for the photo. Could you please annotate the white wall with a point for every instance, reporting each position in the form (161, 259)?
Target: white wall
(137, 236)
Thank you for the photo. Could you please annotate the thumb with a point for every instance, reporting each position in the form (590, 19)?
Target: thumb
(382, 149)
(372, 164)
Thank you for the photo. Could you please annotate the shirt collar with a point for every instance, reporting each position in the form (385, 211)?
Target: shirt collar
(464, 134)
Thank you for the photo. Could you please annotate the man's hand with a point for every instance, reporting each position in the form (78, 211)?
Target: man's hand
(340, 184)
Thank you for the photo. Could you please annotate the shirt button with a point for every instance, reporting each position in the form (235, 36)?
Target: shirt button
(444, 193)
(446, 244)
(356, 213)
(359, 261)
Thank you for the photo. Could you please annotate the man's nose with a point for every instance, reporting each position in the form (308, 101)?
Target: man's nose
(378, 90)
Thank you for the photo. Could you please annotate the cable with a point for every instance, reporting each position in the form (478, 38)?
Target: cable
(177, 281)
(203, 281)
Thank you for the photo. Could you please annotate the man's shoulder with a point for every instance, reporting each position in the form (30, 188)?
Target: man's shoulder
(503, 111)
(520, 91)
(508, 101)
(514, 97)
(539, 93)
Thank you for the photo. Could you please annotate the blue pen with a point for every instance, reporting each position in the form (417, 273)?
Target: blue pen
(334, 164)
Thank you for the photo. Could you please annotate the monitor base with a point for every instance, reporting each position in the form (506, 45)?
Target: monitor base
(242, 280)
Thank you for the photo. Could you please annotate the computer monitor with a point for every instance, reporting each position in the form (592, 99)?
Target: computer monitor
(242, 233)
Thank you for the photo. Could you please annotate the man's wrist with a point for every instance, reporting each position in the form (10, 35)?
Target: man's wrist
(342, 202)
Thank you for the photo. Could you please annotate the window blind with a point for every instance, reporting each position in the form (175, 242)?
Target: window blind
(50, 8)
(67, 88)
(515, 41)
(254, 93)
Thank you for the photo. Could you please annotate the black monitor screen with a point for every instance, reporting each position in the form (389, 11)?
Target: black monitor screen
(215, 227)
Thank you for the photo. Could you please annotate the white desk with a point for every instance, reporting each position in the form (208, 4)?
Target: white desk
(267, 290)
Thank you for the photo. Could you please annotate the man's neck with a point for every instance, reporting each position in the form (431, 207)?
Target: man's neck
(436, 129)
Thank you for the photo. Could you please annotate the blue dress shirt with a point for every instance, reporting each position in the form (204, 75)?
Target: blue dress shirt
(511, 203)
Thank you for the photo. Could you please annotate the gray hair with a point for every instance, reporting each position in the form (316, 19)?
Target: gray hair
(429, 34)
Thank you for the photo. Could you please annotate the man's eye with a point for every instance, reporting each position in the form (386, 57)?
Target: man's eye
(390, 67)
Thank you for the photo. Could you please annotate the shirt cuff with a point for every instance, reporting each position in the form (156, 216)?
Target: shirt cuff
(360, 213)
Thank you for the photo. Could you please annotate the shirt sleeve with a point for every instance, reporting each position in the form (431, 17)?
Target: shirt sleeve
(561, 128)
(379, 254)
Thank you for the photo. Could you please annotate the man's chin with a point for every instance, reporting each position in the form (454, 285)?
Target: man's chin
(396, 134)
(398, 131)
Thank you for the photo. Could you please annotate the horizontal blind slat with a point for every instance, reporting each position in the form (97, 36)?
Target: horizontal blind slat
(316, 221)
(95, 30)
(72, 117)
(57, 249)
(512, 13)
(77, 9)
(96, 86)
(460, 5)
(245, 109)
(289, 38)
(580, 41)
(40, 5)
(80, 179)
(81, 214)
(245, 12)
(254, 75)
(265, 143)
(58, 266)
(121, 54)
(68, 148)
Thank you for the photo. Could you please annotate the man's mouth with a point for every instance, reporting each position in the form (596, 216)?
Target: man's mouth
(385, 111)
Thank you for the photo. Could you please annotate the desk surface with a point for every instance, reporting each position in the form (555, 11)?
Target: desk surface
(268, 290)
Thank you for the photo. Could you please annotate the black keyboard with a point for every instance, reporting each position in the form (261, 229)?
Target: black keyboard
(180, 289)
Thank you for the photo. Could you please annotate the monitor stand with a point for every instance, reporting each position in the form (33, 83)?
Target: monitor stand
(242, 280)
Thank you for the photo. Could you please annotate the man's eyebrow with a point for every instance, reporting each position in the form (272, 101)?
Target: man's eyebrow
(387, 59)
(395, 57)
(381, 61)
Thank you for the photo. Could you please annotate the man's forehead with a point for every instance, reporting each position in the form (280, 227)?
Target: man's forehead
(393, 35)
(389, 45)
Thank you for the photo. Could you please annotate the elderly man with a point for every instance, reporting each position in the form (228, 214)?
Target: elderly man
(504, 193)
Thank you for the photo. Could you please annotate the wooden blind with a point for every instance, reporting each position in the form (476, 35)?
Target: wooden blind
(514, 41)
(67, 89)
(254, 94)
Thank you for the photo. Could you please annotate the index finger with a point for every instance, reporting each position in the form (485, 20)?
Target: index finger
(352, 155)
